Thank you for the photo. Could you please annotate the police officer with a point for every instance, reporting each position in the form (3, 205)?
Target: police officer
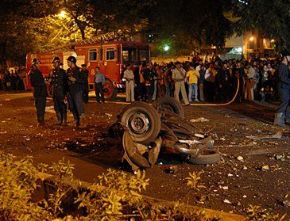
(59, 87)
(85, 75)
(284, 90)
(39, 91)
(75, 84)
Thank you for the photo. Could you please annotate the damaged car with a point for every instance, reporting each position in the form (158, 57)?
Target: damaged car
(150, 129)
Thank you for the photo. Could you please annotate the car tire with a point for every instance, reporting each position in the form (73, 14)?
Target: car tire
(110, 92)
(171, 105)
(210, 157)
(142, 122)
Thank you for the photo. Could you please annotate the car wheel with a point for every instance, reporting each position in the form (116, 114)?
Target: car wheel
(142, 122)
(171, 105)
(110, 92)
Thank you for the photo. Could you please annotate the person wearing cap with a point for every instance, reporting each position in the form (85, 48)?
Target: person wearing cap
(75, 84)
(58, 85)
(284, 90)
(99, 82)
(179, 76)
(39, 91)
(130, 84)
(85, 75)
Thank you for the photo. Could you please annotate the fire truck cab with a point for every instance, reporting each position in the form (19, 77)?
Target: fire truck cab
(110, 57)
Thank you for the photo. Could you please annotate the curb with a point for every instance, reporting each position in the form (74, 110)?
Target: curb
(210, 213)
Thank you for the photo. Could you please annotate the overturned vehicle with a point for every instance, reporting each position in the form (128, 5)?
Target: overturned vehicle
(161, 127)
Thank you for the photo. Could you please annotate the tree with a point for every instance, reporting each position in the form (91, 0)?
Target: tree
(191, 24)
(34, 25)
(270, 18)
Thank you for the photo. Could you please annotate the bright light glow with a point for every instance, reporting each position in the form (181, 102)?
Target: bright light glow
(62, 14)
(251, 38)
(239, 49)
(272, 40)
(166, 48)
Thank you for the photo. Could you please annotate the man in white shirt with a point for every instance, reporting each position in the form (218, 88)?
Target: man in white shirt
(250, 82)
(179, 76)
(130, 84)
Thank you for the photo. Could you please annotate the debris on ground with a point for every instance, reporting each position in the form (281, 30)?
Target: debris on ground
(240, 158)
(278, 135)
(265, 168)
(227, 201)
(199, 120)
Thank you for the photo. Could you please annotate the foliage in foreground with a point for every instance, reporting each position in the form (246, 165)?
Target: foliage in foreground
(116, 195)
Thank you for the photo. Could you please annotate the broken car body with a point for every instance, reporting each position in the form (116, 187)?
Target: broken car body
(150, 129)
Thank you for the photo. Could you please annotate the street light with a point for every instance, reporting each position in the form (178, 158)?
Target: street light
(62, 14)
(252, 38)
(166, 48)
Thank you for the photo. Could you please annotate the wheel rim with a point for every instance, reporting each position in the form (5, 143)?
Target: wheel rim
(108, 89)
(139, 123)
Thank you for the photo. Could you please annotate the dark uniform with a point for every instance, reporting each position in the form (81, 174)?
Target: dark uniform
(284, 91)
(75, 99)
(39, 92)
(59, 89)
(85, 76)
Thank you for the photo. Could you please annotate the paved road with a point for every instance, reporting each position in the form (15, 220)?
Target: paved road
(228, 125)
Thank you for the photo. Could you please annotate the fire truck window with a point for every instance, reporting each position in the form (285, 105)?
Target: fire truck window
(93, 54)
(144, 55)
(130, 55)
(125, 54)
(110, 54)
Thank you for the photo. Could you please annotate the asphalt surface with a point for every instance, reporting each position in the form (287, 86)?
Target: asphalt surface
(230, 185)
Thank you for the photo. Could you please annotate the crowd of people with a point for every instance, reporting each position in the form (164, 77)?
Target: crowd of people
(197, 81)
(210, 81)
(12, 80)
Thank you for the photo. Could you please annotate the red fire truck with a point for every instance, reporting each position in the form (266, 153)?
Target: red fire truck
(110, 57)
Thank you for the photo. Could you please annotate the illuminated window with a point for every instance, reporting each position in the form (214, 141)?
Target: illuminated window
(110, 54)
(92, 54)
(125, 54)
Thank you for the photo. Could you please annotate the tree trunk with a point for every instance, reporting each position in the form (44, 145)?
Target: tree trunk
(3, 57)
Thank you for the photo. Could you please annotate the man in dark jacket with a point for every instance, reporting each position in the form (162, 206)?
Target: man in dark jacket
(284, 91)
(75, 85)
(39, 91)
(85, 75)
(59, 87)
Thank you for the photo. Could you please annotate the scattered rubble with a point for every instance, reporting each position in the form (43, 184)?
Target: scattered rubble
(240, 158)
(199, 120)
(278, 135)
(227, 201)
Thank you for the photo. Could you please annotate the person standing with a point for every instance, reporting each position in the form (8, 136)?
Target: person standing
(58, 83)
(99, 82)
(85, 75)
(39, 91)
(192, 76)
(75, 84)
(179, 75)
(130, 84)
(284, 91)
(201, 69)
(249, 83)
